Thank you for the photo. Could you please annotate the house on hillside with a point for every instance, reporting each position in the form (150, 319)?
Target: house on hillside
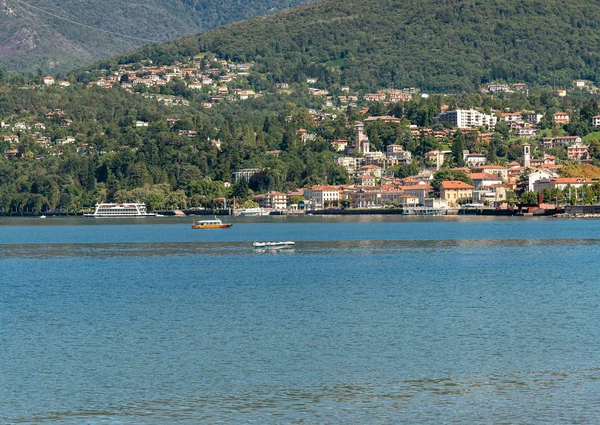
(484, 180)
(11, 153)
(365, 180)
(397, 97)
(375, 97)
(474, 158)
(454, 191)
(566, 140)
(561, 118)
(534, 118)
(339, 145)
(545, 160)
(383, 118)
(396, 154)
(578, 152)
(509, 117)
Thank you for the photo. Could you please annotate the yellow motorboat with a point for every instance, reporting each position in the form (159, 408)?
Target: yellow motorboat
(210, 224)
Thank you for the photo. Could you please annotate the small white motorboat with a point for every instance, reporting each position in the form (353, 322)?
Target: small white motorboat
(274, 245)
(42, 216)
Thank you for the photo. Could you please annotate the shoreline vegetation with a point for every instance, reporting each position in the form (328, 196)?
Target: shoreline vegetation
(527, 211)
(198, 126)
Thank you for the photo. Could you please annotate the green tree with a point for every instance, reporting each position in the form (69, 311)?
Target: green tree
(458, 146)
(240, 189)
(503, 129)
(594, 148)
(448, 175)
(528, 198)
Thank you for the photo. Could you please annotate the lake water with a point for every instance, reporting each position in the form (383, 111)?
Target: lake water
(369, 320)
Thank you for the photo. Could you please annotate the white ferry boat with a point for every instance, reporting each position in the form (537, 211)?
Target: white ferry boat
(253, 212)
(126, 210)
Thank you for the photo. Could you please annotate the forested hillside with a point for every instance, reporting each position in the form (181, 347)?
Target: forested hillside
(95, 151)
(31, 38)
(432, 44)
(281, 96)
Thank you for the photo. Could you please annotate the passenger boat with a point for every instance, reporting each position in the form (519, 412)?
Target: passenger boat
(274, 245)
(125, 210)
(253, 212)
(210, 224)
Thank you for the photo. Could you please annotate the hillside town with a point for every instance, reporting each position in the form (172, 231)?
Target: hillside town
(382, 171)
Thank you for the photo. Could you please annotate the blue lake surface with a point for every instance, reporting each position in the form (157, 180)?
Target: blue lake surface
(369, 320)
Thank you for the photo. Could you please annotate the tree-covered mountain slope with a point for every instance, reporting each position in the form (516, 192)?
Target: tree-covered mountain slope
(61, 35)
(434, 44)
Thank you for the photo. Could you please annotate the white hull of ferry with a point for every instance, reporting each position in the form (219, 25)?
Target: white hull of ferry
(126, 210)
(253, 212)
(119, 216)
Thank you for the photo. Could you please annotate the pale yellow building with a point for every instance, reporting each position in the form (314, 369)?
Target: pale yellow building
(453, 191)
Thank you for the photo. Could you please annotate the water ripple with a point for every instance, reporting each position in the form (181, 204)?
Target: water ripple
(499, 397)
(349, 247)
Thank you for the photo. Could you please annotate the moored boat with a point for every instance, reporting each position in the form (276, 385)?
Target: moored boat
(124, 210)
(274, 245)
(253, 212)
(210, 224)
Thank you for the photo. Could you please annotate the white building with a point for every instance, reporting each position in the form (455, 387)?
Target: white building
(397, 153)
(48, 80)
(322, 196)
(474, 159)
(484, 180)
(468, 118)
(245, 174)
(534, 118)
(538, 175)
(350, 163)
(527, 132)
(276, 200)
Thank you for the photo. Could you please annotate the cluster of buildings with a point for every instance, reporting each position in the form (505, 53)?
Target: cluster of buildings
(357, 157)
(373, 185)
(498, 87)
(523, 124)
(491, 185)
(390, 96)
(352, 196)
(209, 74)
(16, 133)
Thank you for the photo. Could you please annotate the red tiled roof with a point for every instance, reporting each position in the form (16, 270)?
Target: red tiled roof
(323, 188)
(456, 184)
(493, 167)
(484, 176)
